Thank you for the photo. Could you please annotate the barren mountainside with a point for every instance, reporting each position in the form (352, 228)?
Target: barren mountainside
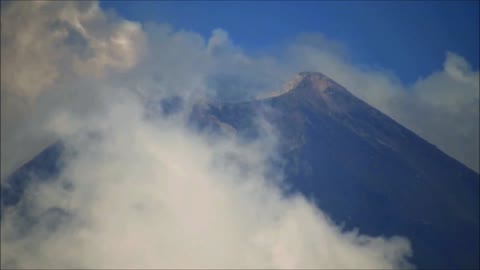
(367, 171)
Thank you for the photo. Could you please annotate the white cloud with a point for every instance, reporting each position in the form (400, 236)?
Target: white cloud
(155, 195)
(218, 40)
(460, 70)
(44, 45)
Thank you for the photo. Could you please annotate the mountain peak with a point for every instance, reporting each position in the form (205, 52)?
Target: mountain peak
(321, 91)
(306, 79)
(316, 80)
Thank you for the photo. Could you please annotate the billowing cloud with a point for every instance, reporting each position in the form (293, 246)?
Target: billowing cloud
(45, 45)
(218, 40)
(153, 194)
(58, 36)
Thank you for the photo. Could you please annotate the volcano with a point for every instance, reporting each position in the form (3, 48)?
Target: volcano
(358, 165)
(368, 171)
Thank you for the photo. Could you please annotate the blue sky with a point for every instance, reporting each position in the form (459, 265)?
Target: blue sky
(409, 37)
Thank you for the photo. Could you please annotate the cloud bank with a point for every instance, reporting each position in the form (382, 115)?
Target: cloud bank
(143, 192)
(152, 194)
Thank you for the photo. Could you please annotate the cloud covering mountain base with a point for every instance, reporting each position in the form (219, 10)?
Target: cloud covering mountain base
(153, 194)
